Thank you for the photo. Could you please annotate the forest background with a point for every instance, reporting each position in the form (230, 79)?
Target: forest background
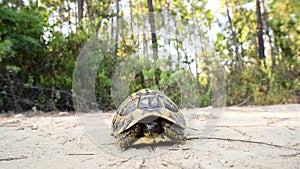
(257, 43)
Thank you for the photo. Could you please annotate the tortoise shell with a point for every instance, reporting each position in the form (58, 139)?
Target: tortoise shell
(142, 104)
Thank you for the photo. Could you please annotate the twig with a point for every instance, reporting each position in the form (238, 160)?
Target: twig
(240, 132)
(81, 154)
(191, 128)
(243, 102)
(290, 155)
(12, 158)
(174, 164)
(120, 162)
(86, 159)
(240, 140)
(175, 149)
(112, 143)
(13, 93)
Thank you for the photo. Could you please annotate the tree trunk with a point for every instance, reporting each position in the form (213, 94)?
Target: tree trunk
(131, 26)
(261, 47)
(177, 49)
(195, 47)
(80, 10)
(269, 39)
(152, 26)
(235, 41)
(69, 16)
(117, 30)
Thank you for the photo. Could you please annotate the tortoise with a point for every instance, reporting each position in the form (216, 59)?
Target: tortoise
(148, 117)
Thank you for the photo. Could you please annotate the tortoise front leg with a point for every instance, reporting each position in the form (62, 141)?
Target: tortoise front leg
(174, 132)
(128, 137)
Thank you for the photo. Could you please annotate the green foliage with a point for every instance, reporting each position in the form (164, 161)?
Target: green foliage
(21, 45)
(274, 80)
(262, 90)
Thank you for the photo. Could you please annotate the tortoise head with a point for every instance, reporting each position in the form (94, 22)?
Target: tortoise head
(151, 126)
(151, 129)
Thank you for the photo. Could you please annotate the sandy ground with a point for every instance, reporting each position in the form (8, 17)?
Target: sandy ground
(235, 137)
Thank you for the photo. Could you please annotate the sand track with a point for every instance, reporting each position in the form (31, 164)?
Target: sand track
(244, 137)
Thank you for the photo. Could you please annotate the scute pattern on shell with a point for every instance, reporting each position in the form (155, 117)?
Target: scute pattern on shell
(144, 103)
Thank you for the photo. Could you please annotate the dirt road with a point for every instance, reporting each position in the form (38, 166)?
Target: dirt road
(234, 137)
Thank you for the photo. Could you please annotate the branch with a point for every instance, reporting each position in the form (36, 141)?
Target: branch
(240, 140)
(80, 154)
(12, 158)
(290, 155)
(243, 102)
(120, 162)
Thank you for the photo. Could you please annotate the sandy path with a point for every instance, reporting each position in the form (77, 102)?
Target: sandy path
(244, 137)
